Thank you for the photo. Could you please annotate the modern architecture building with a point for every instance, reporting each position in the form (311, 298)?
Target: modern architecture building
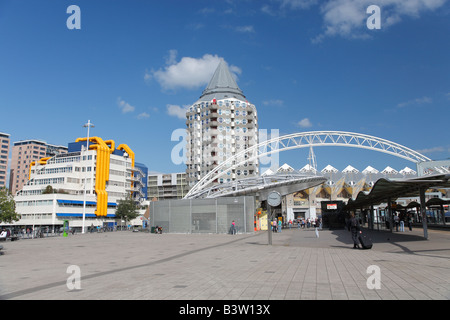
(23, 154)
(170, 186)
(4, 152)
(220, 124)
(82, 186)
(341, 185)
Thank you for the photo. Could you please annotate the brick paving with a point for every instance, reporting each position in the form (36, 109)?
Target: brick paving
(298, 266)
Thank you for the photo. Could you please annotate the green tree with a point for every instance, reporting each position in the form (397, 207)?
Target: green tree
(127, 209)
(8, 212)
(48, 190)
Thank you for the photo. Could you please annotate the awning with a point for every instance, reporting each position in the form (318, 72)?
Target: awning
(79, 215)
(436, 202)
(393, 189)
(88, 203)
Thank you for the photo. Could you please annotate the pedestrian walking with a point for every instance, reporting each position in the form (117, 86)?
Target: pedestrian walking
(354, 227)
(410, 222)
(396, 222)
(402, 225)
(233, 227)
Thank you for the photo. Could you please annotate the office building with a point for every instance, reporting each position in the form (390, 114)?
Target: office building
(81, 181)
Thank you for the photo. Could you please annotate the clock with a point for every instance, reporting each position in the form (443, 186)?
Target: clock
(274, 199)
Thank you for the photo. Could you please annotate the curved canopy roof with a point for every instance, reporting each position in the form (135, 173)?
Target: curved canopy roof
(437, 202)
(386, 188)
(285, 183)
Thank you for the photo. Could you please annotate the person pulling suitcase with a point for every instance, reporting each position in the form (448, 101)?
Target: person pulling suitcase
(366, 243)
(355, 229)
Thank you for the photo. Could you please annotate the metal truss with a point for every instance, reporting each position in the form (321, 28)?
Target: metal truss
(307, 139)
(284, 183)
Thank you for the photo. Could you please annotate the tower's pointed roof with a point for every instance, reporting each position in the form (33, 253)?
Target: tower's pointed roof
(222, 85)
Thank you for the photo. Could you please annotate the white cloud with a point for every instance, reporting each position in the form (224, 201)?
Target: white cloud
(235, 71)
(342, 17)
(273, 102)
(417, 101)
(297, 4)
(304, 123)
(188, 73)
(177, 111)
(172, 57)
(143, 115)
(268, 10)
(431, 150)
(124, 106)
(245, 29)
(347, 18)
(207, 11)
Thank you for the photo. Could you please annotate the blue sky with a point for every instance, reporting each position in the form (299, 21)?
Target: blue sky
(307, 66)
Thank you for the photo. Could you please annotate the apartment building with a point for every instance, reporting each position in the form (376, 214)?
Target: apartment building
(219, 125)
(167, 186)
(23, 154)
(4, 152)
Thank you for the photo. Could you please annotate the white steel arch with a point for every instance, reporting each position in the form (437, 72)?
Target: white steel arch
(307, 139)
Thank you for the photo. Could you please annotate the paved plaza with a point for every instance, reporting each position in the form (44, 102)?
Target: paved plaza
(298, 266)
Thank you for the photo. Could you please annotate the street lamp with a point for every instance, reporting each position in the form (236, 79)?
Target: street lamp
(88, 125)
